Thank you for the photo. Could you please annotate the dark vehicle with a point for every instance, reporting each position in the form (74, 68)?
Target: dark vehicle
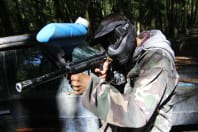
(45, 107)
(49, 107)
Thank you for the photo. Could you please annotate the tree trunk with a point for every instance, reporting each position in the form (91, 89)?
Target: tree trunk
(5, 19)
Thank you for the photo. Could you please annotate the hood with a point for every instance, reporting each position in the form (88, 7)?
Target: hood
(157, 40)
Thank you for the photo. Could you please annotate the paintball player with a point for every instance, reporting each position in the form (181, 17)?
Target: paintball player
(133, 91)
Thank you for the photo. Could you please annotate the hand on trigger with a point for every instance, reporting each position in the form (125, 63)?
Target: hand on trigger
(102, 73)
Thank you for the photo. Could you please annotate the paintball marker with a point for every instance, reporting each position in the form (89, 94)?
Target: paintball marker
(68, 36)
(70, 68)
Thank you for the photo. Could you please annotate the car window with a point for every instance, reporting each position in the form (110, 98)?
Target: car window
(26, 63)
(32, 63)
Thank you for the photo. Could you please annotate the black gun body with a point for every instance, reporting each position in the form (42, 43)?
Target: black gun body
(70, 68)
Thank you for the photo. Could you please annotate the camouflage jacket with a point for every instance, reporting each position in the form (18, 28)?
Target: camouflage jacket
(146, 98)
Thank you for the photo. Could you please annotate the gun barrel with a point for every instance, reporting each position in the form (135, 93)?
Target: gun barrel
(40, 80)
(71, 68)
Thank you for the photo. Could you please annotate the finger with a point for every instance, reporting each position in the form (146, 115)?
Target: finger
(103, 76)
(97, 70)
(105, 66)
(75, 76)
(78, 92)
(103, 72)
(76, 88)
(75, 84)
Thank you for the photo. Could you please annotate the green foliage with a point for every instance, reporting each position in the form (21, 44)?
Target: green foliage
(173, 17)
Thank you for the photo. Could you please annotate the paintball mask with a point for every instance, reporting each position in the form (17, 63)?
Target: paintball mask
(118, 39)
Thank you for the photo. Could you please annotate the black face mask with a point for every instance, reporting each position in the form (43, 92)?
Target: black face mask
(118, 39)
(122, 48)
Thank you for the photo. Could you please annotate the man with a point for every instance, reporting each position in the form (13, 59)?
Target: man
(137, 94)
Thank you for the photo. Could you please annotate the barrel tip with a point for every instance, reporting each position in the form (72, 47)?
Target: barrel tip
(18, 87)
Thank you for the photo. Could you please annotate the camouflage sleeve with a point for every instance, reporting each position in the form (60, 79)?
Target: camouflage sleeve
(135, 107)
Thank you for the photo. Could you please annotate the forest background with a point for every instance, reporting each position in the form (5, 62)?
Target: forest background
(176, 18)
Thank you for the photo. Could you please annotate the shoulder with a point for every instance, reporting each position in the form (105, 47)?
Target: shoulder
(153, 54)
(154, 58)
